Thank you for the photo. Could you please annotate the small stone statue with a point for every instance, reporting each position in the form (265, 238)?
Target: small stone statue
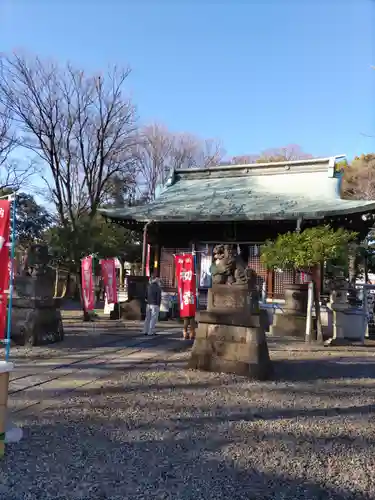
(241, 272)
(36, 260)
(223, 266)
(228, 268)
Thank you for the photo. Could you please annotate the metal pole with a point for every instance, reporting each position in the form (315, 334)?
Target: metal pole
(11, 279)
(310, 303)
(196, 276)
(365, 307)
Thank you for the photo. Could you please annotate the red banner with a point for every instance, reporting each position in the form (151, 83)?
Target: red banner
(88, 295)
(186, 282)
(4, 263)
(148, 260)
(109, 278)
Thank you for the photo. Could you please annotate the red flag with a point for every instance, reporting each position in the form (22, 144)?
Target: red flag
(185, 275)
(148, 260)
(4, 262)
(87, 284)
(109, 278)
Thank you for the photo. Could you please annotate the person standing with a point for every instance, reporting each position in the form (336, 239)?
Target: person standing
(153, 299)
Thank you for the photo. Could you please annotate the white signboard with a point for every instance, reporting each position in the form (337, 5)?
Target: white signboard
(205, 271)
(108, 308)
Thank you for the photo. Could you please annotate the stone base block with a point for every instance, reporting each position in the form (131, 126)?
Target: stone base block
(231, 349)
(288, 325)
(230, 318)
(36, 326)
(116, 312)
(132, 310)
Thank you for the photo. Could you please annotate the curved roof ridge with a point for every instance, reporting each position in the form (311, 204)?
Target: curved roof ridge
(268, 165)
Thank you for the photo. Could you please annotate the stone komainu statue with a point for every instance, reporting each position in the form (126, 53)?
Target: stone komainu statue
(229, 268)
(230, 336)
(223, 266)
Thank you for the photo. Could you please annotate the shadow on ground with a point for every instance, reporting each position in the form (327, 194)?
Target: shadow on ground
(324, 368)
(78, 343)
(165, 432)
(96, 458)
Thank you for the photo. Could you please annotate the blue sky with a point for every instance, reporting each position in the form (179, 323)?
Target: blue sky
(256, 73)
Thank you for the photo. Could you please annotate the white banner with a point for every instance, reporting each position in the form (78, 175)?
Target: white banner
(205, 271)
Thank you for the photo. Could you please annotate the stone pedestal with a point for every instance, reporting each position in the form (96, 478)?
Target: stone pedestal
(285, 325)
(229, 338)
(36, 322)
(132, 310)
(296, 298)
(291, 319)
(349, 323)
(36, 316)
(5, 368)
(135, 307)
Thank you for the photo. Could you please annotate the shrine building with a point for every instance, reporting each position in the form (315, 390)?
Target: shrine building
(243, 205)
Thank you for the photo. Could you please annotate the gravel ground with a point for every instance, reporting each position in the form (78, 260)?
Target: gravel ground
(164, 432)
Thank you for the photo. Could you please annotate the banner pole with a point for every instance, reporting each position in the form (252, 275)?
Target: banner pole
(196, 276)
(11, 279)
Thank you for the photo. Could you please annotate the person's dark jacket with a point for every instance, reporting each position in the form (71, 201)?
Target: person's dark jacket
(154, 293)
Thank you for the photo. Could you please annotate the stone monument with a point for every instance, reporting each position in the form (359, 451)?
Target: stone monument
(36, 316)
(349, 323)
(230, 338)
(290, 318)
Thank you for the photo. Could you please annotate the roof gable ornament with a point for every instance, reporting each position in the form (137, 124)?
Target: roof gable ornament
(171, 178)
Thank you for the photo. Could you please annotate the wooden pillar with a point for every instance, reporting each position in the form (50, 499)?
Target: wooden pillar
(269, 280)
(317, 277)
(157, 252)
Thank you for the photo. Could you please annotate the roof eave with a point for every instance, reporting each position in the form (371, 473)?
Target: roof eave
(318, 215)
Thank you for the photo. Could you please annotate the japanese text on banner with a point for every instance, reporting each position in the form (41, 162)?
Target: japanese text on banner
(186, 282)
(109, 278)
(4, 262)
(88, 295)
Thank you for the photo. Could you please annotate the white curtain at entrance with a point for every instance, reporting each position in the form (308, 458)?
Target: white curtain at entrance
(205, 270)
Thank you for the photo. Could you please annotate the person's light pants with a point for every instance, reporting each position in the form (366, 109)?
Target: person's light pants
(152, 315)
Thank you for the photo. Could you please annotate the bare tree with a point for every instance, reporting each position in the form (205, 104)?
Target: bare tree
(13, 173)
(81, 126)
(7, 136)
(287, 153)
(160, 150)
(83, 129)
(244, 159)
(153, 152)
(359, 178)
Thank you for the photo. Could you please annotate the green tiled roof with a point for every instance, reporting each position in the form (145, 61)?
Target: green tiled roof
(283, 190)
